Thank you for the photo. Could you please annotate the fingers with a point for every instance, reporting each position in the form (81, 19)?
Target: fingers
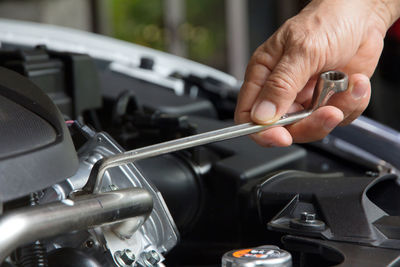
(280, 90)
(281, 76)
(259, 68)
(278, 136)
(355, 100)
(342, 109)
(316, 126)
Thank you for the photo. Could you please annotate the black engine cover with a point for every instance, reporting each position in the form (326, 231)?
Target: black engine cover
(36, 149)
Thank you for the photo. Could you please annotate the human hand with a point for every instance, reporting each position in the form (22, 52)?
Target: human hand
(344, 35)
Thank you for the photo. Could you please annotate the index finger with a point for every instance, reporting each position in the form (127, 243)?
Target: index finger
(259, 68)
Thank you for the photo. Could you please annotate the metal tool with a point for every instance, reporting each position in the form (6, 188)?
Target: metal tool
(328, 83)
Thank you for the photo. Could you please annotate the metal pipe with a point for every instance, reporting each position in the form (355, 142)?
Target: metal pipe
(25, 225)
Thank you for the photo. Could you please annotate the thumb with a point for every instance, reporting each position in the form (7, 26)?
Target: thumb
(288, 78)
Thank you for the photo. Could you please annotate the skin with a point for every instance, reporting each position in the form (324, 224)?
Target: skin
(344, 35)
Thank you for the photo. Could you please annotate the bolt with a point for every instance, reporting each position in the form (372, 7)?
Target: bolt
(371, 174)
(89, 243)
(307, 217)
(125, 257)
(307, 222)
(151, 258)
(109, 188)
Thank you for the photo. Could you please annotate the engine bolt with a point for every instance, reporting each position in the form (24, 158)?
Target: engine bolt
(125, 257)
(307, 217)
(151, 258)
(89, 243)
(109, 188)
(307, 222)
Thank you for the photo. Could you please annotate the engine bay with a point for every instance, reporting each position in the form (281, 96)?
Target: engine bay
(329, 203)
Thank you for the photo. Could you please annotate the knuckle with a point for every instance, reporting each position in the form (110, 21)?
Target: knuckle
(300, 39)
(308, 46)
(259, 58)
(281, 87)
(241, 115)
(238, 118)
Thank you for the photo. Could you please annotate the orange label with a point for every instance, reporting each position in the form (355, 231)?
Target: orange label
(240, 253)
(256, 253)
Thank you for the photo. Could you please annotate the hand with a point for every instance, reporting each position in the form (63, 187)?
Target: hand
(344, 35)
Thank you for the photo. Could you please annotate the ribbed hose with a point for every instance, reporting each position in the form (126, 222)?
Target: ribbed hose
(32, 255)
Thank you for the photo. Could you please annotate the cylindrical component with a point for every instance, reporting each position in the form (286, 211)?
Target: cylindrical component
(124, 257)
(329, 82)
(151, 258)
(307, 217)
(264, 256)
(28, 224)
(307, 222)
(72, 257)
(32, 255)
(179, 184)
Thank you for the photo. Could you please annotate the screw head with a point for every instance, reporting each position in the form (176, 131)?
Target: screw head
(151, 258)
(109, 188)
(89, 243)
(307, 217)
(125, 257)
(307, 222)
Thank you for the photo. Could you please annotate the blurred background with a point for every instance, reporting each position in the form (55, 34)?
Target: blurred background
(218, 33)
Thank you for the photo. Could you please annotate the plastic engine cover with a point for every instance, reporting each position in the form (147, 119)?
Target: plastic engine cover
(36, 150)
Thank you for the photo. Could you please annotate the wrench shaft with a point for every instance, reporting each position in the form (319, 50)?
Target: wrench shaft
(330, 82)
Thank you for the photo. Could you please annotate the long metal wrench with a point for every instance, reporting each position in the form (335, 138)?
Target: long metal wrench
(328, 83)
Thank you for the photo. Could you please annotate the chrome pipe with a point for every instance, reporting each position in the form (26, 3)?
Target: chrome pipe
(25, 225)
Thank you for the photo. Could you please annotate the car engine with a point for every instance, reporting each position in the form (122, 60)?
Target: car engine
(70, 100)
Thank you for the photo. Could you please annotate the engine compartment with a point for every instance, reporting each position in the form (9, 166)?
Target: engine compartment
(328, 203)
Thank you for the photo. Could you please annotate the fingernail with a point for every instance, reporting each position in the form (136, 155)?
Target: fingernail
(330, 124)
(264, 111)
(359, 90)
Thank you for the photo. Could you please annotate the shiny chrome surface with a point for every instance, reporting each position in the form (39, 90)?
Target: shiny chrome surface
(26, 225)
(265, 256)
(158, 232)
(329, 83)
